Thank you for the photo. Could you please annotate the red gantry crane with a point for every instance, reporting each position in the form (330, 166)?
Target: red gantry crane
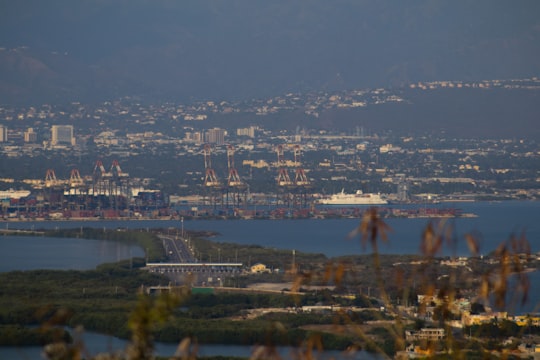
(211, 183)
(302, 185)
(283, 179)
(50, 178)
(235, 185)
(284, 183)
(233, 179)
(210, 178)
(300, 178)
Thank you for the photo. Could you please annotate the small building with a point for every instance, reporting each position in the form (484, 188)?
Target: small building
(478, 319)
(259, 268)
(527, 320)
(425, 334)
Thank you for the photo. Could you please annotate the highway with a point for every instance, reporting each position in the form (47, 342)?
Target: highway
(183, 267)
(177, 249)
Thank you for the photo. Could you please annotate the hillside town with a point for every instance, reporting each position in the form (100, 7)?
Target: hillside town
(432, 311)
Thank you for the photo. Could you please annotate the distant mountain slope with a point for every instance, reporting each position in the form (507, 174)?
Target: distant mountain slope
(466, 113)
(176, 50)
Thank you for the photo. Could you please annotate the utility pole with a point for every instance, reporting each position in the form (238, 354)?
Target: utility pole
(294, 261)
(182, 222)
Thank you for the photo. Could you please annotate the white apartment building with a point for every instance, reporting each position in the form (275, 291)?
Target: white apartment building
(250, 131)
(3, 133)
(30, 136)
(62, 135)
(215, 136)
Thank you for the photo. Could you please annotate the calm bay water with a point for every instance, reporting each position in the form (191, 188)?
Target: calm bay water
(97, 343)
(495, 223)
(31, 253)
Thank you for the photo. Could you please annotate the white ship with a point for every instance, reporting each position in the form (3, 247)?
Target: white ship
(13, 194)
(359, 198)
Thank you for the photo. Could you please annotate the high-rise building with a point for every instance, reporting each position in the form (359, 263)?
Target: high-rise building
(403, 191)
(215, 136)
(197, 137)
(193, 136)
(62, 134)
(30, 136)
(250, 131)
(3, 133)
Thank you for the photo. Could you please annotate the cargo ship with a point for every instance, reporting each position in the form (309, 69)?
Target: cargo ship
(358, 198)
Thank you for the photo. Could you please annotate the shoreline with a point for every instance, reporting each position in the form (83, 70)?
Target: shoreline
(279, 214)
(406, 210)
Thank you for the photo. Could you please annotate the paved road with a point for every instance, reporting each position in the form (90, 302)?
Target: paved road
(177, 249)
(193, 272)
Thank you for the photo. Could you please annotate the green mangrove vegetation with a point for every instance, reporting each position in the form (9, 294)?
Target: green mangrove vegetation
(102, 300)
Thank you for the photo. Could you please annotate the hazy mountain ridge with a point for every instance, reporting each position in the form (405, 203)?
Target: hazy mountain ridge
(244, 49)
(467, 113)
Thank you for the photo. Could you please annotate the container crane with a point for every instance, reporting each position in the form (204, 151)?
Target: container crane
(235, 185)
(283, 179)
(211, 184)
(300, 178)
(210, 178)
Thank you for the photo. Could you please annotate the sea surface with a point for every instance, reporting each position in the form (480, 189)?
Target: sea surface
(39, 252)
(97, 343)
(496, 222)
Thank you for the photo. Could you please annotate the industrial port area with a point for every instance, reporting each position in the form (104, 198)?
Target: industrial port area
(127, 159)
(110, 193)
